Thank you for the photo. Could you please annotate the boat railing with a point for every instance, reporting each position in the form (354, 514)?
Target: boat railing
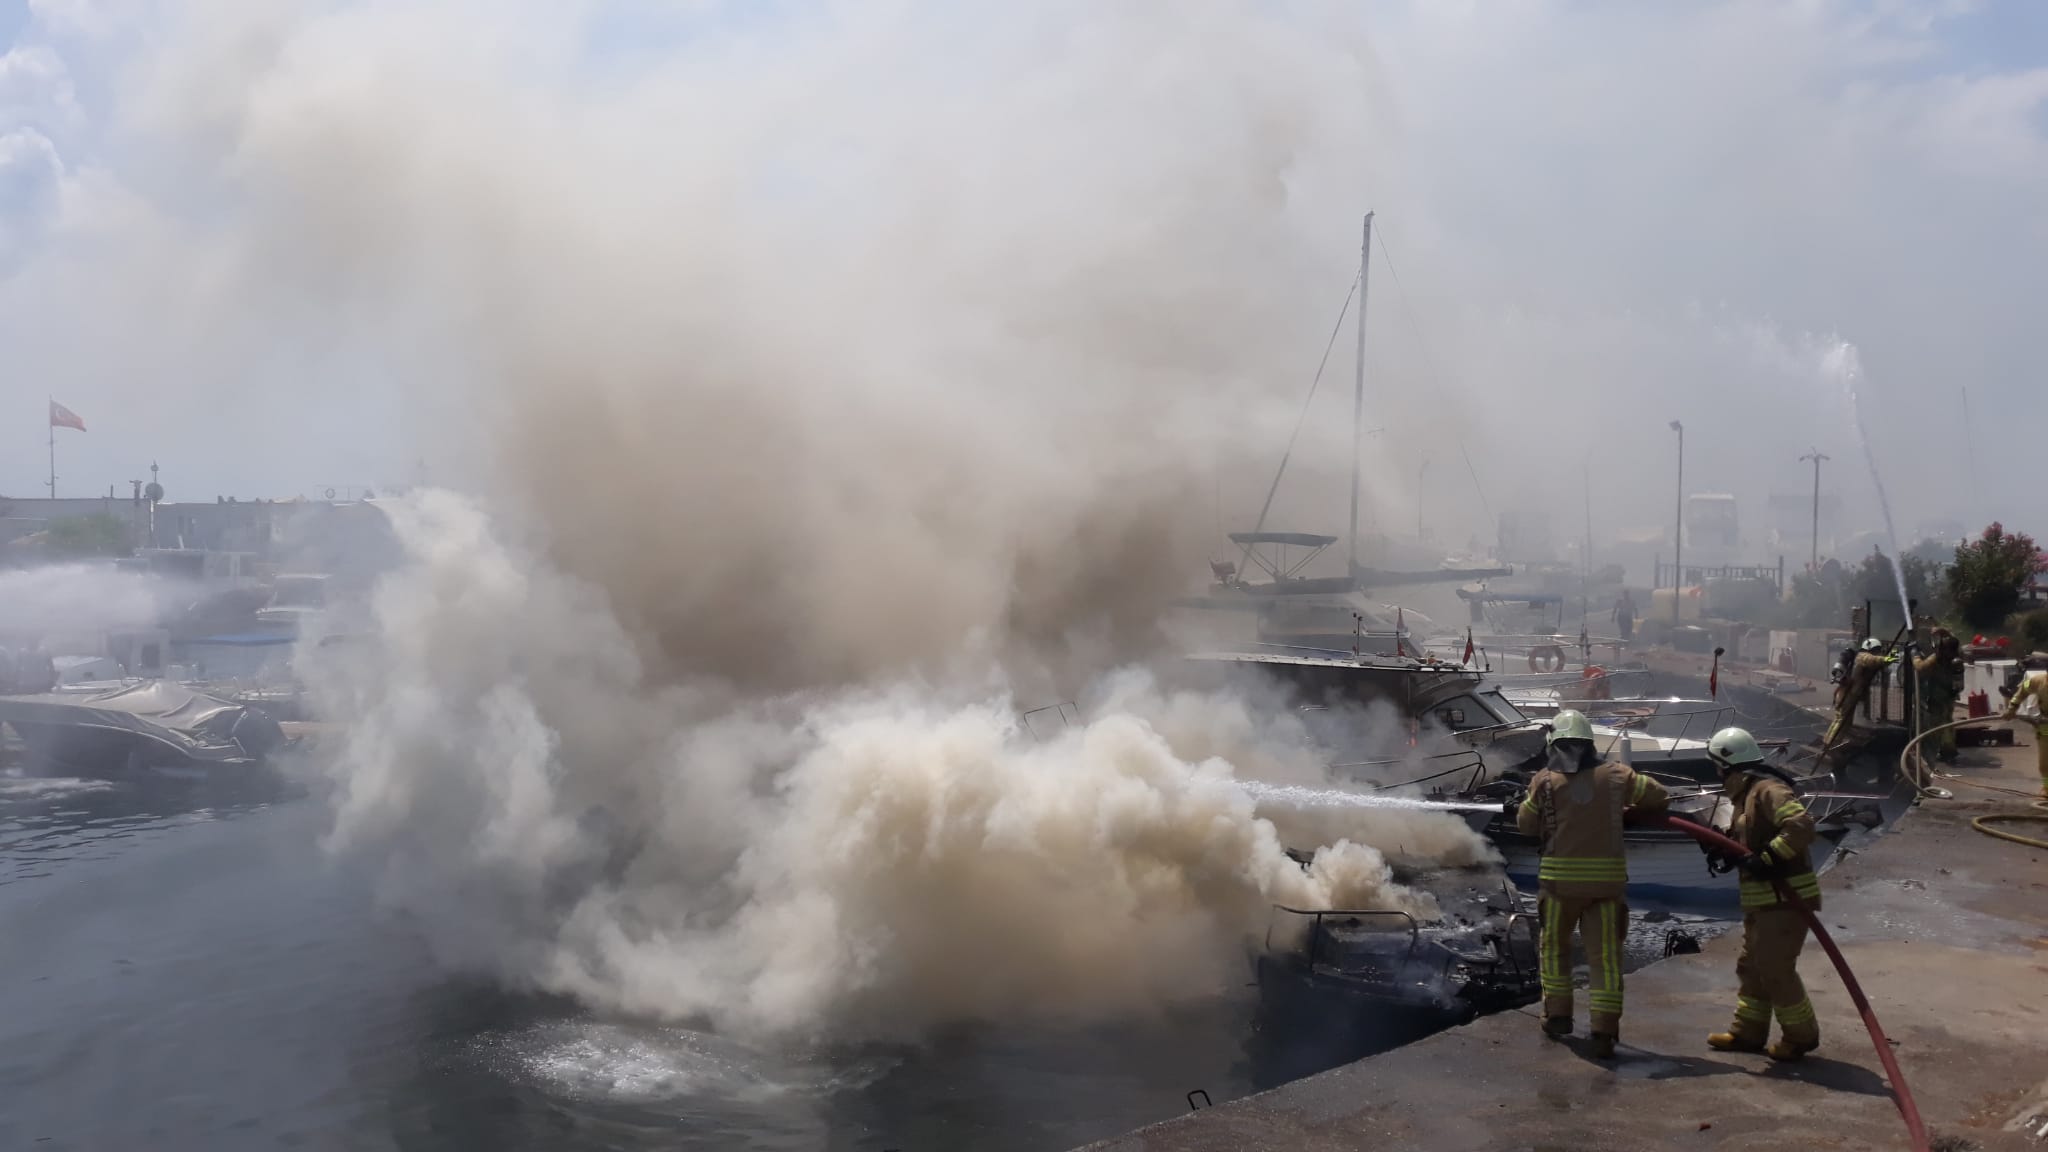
(1696, 725)
(1463, 760)
(1316, 934)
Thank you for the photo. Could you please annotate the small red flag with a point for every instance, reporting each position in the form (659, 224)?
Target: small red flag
(1714, 680)
(62, 417)
(1468, 645)
(1400, 630)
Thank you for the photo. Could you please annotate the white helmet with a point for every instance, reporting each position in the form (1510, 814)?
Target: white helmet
(1733, 749)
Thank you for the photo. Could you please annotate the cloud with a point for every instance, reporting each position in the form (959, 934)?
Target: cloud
(35, 88)
(31, 177)
(1589, 209)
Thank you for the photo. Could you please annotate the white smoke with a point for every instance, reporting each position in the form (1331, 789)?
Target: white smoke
(863, 860)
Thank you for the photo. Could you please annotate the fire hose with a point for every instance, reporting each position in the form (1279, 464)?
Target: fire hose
(1909, 757)
(1901, 1094)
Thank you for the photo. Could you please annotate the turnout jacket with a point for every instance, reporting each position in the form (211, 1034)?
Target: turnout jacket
(1577, 817)
(1769, 819)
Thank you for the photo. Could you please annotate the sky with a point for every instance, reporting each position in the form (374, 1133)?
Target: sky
(246, 240)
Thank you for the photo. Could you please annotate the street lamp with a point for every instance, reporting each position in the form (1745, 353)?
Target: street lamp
(1678, 535)
(1816, 457)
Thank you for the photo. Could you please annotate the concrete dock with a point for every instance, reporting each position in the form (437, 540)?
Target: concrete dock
(1947, 930)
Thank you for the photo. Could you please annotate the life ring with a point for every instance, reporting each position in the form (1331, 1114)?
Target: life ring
(1548, 658)
(1593, 682)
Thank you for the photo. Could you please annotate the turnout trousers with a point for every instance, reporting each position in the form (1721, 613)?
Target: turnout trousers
(2041, 754)
(1600, 922)
(1768, 974)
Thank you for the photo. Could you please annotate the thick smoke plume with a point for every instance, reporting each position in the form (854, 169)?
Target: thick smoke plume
(817, 443)
(865, 860)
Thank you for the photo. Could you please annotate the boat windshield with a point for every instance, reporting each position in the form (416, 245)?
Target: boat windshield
(1479, 710)
(1502, 710)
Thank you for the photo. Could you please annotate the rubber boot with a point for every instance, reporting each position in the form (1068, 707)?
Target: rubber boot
(1786, 1052)
(1557, 1027)
(1602, 1047)
(1734, 1042)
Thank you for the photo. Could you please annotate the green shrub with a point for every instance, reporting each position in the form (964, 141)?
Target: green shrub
(1988, 575)
(2033, 628)
(82, 536)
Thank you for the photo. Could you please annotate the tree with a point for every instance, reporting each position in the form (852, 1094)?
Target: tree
(1989, 573)
(1875, 584)
(83, 536)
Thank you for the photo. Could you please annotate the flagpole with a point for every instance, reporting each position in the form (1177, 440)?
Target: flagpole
(48, 408)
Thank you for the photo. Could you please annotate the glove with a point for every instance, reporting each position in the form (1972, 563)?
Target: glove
(1762, 866)
(1719, 863)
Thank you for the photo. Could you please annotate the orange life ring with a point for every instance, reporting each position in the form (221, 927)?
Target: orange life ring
(1548, 658)
(1594, 681)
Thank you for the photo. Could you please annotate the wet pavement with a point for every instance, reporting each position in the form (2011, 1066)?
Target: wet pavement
(1946, 929)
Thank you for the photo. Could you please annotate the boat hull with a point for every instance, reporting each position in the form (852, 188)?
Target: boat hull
(1665, 870)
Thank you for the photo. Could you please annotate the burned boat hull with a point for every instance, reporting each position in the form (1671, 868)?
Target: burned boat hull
(1380, 976)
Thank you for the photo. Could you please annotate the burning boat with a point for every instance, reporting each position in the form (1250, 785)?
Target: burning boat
(1382, 971)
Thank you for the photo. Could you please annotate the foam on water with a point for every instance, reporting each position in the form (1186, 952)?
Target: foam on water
(623, 1063)
(49, 788)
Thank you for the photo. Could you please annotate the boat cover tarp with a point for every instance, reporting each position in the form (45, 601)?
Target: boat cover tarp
(200, 726)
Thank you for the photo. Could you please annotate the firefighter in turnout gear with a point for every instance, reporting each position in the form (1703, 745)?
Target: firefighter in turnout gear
(2034, 686)
(1576, 806)
(1940, 675)
(1869, 664)
(1775, 827)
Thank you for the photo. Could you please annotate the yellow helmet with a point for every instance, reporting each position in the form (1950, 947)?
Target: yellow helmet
(1569, 724)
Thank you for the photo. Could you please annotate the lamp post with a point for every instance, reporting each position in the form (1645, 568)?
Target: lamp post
(1816, 457)
(1678, 533)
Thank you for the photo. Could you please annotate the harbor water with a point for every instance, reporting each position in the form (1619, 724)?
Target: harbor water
(184, 968)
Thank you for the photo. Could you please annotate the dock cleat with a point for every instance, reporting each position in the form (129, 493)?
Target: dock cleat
(1732, 1042)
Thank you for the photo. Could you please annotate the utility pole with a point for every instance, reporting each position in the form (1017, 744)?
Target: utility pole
(1678, 535)
(1816, 457)
(1358, 392)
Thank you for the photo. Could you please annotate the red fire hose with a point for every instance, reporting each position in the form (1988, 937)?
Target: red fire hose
(1901, 1094)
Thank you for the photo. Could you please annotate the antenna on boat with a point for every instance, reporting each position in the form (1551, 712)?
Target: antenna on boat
(1358, 391)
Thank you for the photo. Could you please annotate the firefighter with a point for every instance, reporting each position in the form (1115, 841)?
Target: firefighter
(1940, 674)
(1576, 806)
(1775, 827)
(2034, 686)
(1855, 685)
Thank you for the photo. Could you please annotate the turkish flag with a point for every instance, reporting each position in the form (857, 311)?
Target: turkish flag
(1468, 646)
(62, 417)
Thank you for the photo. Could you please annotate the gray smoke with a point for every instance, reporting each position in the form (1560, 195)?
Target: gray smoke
(864, 860)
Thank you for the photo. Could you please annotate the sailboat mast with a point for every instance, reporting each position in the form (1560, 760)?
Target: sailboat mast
(1358, 391)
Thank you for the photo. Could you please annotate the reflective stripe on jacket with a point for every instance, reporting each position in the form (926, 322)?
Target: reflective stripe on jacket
(1770, 819)
(1577, 817)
